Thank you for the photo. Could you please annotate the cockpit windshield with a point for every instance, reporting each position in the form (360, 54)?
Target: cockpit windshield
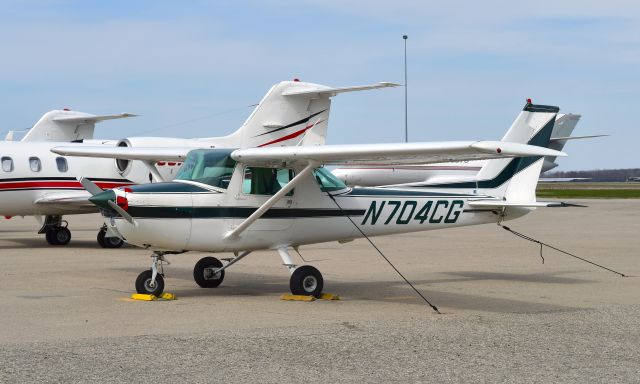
(328, 182)
(208, 166)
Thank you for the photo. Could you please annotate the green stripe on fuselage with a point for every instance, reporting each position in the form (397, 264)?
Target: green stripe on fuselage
(236, 212)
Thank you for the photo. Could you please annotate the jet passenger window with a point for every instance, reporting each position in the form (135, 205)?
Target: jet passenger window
(7, 164)
(34, 164)
(265, 181)
(61, 162)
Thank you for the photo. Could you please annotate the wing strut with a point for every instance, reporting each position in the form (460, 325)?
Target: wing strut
(272, 200)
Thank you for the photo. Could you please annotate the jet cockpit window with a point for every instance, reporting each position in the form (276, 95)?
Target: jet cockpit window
(61, 162)
(7, 164)
(265, 181)
(328, 182)
(34, 164)
(208, 166)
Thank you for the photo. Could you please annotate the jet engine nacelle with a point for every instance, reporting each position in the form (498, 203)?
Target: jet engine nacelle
(139, 172)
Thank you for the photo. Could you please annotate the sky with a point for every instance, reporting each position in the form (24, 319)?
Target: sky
(194, 68)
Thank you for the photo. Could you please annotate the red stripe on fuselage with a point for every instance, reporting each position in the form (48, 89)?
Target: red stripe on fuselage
(56, 184)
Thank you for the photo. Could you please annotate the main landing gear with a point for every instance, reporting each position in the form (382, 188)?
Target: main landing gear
(209, 273)
(108, 242)
(56, 232)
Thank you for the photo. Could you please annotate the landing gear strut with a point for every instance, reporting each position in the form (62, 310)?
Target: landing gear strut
(151, 282)
(305, 280)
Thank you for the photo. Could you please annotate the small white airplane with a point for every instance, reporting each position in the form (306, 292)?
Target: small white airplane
(35, 181)
(226, 200)
(378, 174)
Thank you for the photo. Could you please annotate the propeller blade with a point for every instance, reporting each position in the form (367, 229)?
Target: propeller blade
(121, 211)
(90, 186)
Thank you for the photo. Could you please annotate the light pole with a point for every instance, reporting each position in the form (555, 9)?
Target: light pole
(406, 124)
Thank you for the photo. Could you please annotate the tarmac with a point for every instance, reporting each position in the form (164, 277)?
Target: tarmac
(65, 314)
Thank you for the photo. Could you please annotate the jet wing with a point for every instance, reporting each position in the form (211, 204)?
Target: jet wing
(386, 154)
(71, 201)
(127, 153)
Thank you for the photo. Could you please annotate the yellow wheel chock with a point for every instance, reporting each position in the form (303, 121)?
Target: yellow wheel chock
(324, 296)
(144, 297)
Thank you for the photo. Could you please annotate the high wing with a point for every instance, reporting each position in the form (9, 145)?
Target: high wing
(71, 201)
(127, 153)
(402, 153)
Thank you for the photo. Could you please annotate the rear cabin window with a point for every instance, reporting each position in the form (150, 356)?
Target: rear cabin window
(7, 163)
(327, 181)
(62, 165)
(34, 164)
(265, 181)
(208, 166)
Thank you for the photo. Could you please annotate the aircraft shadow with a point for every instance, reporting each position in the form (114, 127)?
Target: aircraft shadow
(238, 284)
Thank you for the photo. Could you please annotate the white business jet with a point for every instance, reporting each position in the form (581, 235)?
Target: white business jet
(226, 200)
(35, 181)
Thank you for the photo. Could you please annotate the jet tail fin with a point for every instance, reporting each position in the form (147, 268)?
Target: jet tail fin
(64, 125)
(291, 113)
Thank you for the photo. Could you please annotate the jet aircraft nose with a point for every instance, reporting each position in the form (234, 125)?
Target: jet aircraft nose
(101, 199)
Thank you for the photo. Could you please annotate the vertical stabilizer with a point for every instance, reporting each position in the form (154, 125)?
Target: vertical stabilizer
(291, 113)
(65, 125)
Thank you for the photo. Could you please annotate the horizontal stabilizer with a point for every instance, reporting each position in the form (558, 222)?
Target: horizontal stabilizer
(576, 137)
(319, 90)
(92, 118)
(533, 204)
(389, 154)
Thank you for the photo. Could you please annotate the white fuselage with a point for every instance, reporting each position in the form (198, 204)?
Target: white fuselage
(184, 215)
(29, 172)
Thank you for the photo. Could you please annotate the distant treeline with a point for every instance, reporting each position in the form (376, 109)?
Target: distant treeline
(599, 174)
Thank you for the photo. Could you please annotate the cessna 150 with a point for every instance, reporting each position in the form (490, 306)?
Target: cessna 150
(226, 200)
(34, 181)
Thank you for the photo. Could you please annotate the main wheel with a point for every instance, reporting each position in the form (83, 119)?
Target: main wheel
(143, 284)
(306, 280)
(203, 274)
(59, 236)
(49, 236)
(108, 242)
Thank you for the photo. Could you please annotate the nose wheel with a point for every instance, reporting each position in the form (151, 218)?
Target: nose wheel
(151, 282)
(145, 284)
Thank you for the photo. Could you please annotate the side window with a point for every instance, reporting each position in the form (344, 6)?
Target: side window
(61, 162)
(265, 181)
(34, 164)
(7, 164)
